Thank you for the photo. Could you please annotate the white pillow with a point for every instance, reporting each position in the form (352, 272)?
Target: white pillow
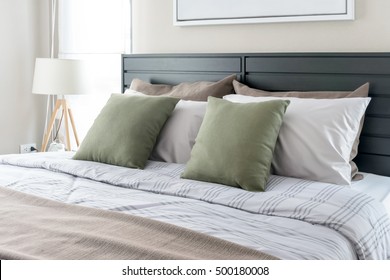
(316, 137)
(131, 91)
(177, 137)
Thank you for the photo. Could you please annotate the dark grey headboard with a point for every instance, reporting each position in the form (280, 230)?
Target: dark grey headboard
(287, 71)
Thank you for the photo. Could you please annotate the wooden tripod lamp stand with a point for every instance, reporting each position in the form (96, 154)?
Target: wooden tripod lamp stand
(59, 77)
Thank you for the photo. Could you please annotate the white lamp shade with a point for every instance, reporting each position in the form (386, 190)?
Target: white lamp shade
(59, 76)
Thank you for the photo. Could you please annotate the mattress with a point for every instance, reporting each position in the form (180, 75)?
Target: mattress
(292, 219)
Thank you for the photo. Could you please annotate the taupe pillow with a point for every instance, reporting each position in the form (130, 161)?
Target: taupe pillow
(197, 91)
(242, 89)
(126, 130)
(235, 143)
(362, 91)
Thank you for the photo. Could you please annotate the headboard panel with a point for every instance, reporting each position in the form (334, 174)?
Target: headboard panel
(173, 69)
(287, 71)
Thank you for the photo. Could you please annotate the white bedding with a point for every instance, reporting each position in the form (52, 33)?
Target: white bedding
(293, 219)
(376, 186)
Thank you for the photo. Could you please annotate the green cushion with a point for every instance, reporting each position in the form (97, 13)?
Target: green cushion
(125, 131)
(235, 143)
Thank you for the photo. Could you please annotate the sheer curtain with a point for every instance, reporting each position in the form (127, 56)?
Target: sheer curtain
(97, 31)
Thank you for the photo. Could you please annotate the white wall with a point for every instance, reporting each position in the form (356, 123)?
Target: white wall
(24, 36)
(154, 32)
(24, 33)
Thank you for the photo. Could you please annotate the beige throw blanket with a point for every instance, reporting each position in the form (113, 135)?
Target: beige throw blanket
(37, 228)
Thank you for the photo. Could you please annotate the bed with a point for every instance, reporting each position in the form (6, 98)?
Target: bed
(58, 207)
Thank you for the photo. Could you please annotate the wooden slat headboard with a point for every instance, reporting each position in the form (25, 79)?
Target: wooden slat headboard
(287, 71)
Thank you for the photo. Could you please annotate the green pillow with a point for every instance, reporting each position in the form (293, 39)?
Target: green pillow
(235, 143)
(125, 131)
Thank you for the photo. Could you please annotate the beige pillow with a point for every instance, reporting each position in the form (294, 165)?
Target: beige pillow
(245, 90)
(362, 91)
(196, 91)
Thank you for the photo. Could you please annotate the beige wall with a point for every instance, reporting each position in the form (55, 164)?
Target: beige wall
(23, 33)
(154, 32)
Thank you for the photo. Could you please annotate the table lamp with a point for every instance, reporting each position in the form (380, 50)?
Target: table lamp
(59, 77)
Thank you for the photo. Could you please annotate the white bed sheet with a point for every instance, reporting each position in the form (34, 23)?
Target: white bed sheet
(376, 186)
(208, 208)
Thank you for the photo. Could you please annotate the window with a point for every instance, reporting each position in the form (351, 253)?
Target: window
(97, 31)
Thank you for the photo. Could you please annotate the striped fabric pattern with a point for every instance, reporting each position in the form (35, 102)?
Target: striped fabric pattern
(293, 219)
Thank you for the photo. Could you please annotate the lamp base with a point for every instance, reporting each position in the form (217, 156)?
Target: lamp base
(67, 112)
(56, 146)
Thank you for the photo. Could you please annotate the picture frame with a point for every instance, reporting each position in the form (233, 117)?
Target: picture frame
(208, 12)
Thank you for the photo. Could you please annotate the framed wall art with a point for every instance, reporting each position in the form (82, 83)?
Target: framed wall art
(202, 12)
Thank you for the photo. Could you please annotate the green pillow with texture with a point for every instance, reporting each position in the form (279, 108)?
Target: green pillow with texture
(125, 131)
(235, 143)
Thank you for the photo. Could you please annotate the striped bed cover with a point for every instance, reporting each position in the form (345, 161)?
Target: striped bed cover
(293, 219)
